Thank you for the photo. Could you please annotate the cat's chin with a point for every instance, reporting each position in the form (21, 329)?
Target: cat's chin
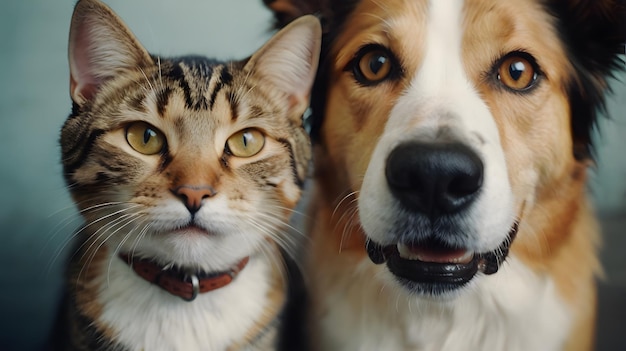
(192, 246)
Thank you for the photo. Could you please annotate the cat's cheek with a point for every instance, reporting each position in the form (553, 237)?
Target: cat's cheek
(291, 193)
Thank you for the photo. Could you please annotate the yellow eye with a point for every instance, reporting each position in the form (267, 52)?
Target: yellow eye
(246, 143)
(517, 73)
(144, 138)
(373, 65)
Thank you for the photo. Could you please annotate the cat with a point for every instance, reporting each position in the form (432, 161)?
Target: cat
(185, 171)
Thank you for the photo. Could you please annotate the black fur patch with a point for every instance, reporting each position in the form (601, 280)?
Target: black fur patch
(70, 168)
(163, 98)
(594, 32)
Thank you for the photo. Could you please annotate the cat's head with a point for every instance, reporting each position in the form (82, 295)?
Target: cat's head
(187, 161)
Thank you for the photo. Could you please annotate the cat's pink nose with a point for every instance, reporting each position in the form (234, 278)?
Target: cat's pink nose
(192, 195)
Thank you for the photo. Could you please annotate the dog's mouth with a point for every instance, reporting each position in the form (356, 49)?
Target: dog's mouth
(432, 267)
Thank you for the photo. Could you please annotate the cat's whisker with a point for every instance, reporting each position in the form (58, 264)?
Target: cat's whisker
(78, 232)
(140, 236)
(104, 205)
(160, 73)
(289, 244)
(129, 233)
(269, 251)
(91, 251)
(293, 211)
(351, 207)
(240, 89)
(349, 224)
(58, 251)
(98, 220)
(147, 80)
(351, 194)
(281, 223)
(274, 229)
(58, 228)
(290, 251)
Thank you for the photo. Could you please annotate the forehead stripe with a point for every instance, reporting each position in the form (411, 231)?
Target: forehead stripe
(85, 150)
(225, 78)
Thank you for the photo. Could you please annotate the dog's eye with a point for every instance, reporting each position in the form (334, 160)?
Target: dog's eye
(518, 71)
(144, 138)
(372, 65)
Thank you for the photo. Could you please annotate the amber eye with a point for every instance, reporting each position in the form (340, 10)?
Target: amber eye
(144, 138)
(373, 64)
(517, 72)
(246, 143)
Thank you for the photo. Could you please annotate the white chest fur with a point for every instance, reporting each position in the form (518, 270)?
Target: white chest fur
(145, 317)
(513, 310)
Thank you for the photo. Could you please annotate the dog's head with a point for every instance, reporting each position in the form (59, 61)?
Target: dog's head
(455, 122)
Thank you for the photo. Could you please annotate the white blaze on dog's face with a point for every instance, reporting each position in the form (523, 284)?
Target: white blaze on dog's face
(440, 104)
(477, 85)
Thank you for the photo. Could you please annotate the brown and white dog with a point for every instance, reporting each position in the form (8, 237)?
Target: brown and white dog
(453, 139)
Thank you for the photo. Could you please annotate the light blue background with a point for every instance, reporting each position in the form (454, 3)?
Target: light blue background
(36, 216)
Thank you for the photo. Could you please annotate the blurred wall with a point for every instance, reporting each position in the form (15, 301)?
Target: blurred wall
(36, 215)
(608, 181)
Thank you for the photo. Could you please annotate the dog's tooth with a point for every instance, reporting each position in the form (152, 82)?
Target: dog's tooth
(466, 258)
(416, 255)
(405, 252)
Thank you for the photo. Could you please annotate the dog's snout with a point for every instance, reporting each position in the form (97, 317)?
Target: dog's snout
(434, 178)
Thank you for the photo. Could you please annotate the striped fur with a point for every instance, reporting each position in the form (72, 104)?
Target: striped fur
(131, 199)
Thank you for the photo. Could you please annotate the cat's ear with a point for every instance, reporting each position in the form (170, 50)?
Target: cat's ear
(288, 61)
(100, 47)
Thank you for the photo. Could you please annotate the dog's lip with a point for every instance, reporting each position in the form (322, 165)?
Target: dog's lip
(428, 263)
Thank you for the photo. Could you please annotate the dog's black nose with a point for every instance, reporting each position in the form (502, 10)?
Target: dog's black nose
(434, 178)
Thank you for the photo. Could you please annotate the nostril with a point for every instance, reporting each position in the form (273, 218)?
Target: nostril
(192, 196)
(434, 178)
(183, 197)
(464, 185)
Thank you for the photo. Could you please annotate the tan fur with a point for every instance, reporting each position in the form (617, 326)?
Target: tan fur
(537, 148)
(558, 235)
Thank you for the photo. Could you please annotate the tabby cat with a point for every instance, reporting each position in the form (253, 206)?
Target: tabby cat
(186, 172)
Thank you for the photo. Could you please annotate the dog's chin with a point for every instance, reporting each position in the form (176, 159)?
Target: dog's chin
(433, 268)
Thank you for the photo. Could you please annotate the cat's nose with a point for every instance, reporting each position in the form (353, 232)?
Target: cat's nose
(193, 195)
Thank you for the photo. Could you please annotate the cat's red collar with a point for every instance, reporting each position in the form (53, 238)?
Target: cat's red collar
(186, 286)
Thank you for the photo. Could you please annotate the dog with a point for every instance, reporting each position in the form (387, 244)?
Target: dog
(452, 141)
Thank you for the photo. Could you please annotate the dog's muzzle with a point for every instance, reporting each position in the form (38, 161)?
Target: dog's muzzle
(434, 183)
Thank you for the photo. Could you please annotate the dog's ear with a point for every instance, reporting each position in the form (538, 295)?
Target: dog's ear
(330, 12)
(594, 32)
(286, 11)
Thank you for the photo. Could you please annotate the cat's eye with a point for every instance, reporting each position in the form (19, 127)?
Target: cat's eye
(145, 138)
(517, 71)
(245, 143)
(373, 64)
